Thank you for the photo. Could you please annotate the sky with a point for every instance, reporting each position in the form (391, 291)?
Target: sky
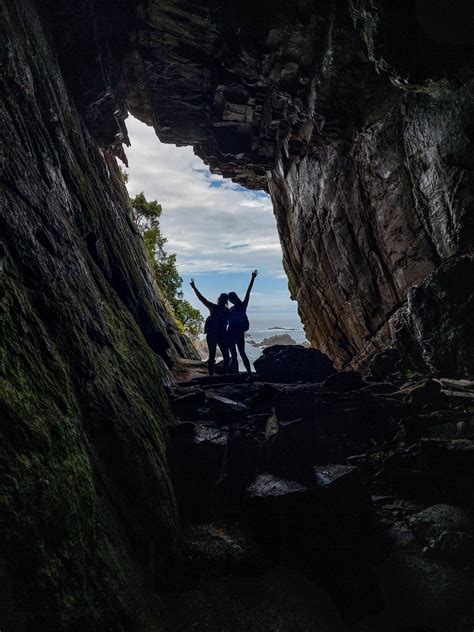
(219, 230)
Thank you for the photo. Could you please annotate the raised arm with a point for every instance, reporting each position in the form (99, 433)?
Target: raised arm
(249, 289)
(202, 298)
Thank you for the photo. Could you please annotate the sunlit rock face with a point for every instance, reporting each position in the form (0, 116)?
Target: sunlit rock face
(357, 117)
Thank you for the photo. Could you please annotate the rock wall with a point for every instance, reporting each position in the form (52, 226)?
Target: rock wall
(373, 216)
(89, 527)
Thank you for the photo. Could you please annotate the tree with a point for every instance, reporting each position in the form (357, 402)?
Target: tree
(146, 216)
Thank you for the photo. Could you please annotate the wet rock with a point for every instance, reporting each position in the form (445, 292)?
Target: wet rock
(343, 484)
(278, 495)
(288, 364)
(344, 381)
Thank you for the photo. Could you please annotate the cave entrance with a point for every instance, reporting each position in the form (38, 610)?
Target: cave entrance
(219, 232)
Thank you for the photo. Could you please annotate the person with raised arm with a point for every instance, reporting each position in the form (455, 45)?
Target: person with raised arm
(238, 325)
(215, 328)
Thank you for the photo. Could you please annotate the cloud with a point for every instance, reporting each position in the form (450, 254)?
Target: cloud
(235, 246)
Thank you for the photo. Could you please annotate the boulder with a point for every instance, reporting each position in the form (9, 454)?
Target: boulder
(345, 381)
(378, 387)
(288, 364)
(280, 339)
(424, 392)
(240, 467)
(450, 456)
(226, 410)
(423, 595)
(440, 312)
(186, 404)
(295, 447)
(196, 457)
(216, 549)
(343, 484)
(330, 509)
(292, 403)
(277, 495)
(261, 400)
(384, 363)
(445, 530)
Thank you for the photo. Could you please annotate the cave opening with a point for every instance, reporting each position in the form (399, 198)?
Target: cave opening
(219, 232)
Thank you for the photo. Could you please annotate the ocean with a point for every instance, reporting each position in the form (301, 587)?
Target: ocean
(260, 331)
(257, 335)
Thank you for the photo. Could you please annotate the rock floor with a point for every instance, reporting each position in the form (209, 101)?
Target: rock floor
(340, 505)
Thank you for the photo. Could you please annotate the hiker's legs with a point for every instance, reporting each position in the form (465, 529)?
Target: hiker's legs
(211, 345)
(225, 354)
(243, 355)
(234, 363)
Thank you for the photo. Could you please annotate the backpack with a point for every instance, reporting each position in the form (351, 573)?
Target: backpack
(238, 319)
(216, 322)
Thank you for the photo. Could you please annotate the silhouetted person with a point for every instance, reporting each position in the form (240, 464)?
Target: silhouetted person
(238, 325)
(215, 328)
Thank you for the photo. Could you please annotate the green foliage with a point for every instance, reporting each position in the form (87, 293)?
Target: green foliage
(189, 316)
(147, 217)
(123, 174)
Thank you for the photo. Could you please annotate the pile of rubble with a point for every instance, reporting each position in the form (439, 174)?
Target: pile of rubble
(363, 485)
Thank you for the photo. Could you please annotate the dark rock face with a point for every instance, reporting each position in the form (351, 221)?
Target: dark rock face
(293, 363)
(88, 516)
(345, 381)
